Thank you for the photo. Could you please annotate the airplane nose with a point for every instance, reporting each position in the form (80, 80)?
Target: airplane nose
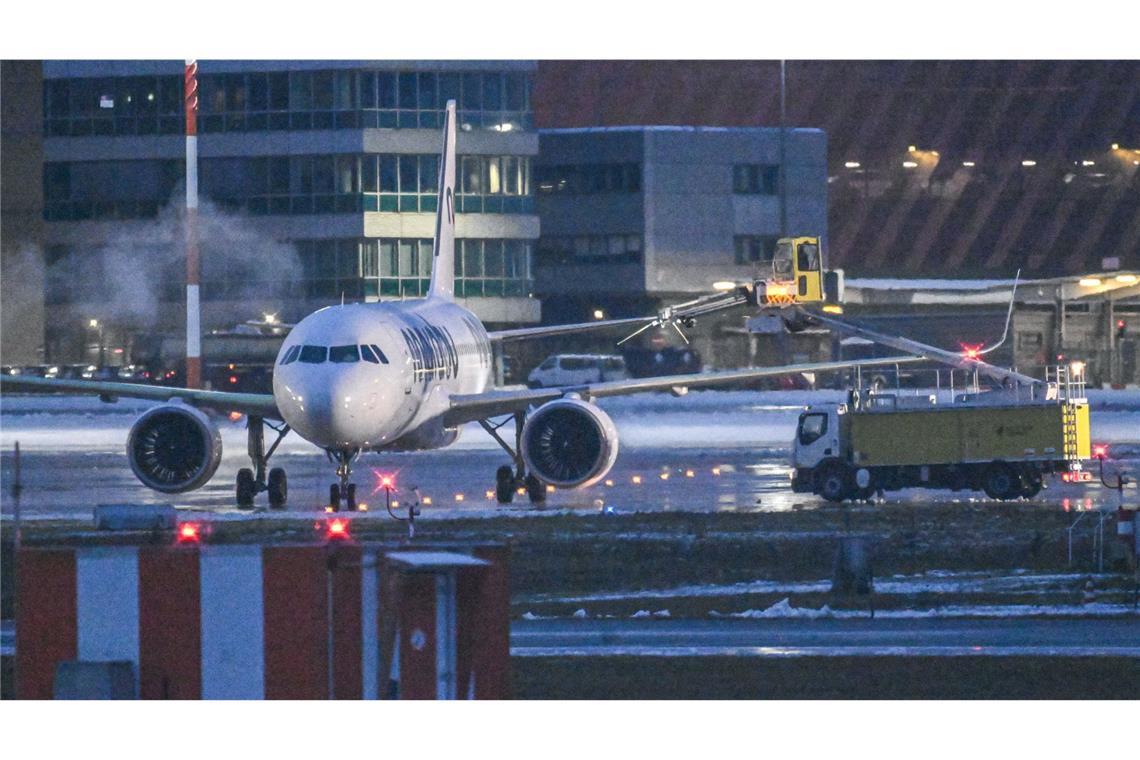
(340, 412)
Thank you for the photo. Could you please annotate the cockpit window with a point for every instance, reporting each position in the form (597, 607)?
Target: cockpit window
(291, 355)
(313, 354)
(368, 355)
(344, 354)
(380, 354)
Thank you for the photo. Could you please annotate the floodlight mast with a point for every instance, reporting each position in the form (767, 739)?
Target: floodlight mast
(193, 269)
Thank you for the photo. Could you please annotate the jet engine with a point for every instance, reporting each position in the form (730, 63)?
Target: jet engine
(174, 448)
(569, 443)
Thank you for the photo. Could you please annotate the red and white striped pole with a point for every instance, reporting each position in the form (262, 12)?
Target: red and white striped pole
(193, 318)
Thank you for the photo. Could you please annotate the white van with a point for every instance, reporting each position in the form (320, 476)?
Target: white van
(573, 369)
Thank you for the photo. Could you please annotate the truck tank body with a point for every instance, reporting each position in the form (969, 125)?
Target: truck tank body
(956, 434)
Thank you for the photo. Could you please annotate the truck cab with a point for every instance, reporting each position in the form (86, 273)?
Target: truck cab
(798, 276)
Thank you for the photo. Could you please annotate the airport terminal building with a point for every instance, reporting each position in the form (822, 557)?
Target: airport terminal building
(317, 179)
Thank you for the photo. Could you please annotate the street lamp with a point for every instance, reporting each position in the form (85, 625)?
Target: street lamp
(95, 324)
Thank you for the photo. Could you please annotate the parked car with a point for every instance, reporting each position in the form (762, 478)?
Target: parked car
(572, 369)
(670, 360)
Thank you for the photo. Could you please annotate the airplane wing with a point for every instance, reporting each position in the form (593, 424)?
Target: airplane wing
(673, 314)
(922, 349)
(479, 406)
(259, 404)
(521, 333)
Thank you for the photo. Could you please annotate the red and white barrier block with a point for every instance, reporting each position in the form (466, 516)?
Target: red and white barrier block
(344, 620)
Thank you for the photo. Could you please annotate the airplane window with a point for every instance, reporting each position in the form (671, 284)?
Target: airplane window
(344, 354)
(313, 354)
(368, 355)
(291, 355)
(380, 354)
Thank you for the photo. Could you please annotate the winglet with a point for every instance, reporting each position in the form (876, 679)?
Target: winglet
(443, 263)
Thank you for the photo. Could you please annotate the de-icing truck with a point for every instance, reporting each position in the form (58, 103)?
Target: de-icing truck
(1002, 442)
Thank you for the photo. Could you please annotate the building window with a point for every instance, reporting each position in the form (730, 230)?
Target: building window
(751, 249)
(589, 178)
(401, 267)
(108, 189)
(755, 179)
(354, 183)
(590, 249)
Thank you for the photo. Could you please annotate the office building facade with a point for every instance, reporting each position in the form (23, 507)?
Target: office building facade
(318, 182)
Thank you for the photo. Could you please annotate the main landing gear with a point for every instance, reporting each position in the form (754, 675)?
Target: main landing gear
(343, 492)
(507, 479)
(252, 481)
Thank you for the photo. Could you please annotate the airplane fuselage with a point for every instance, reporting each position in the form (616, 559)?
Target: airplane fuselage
(365, 376)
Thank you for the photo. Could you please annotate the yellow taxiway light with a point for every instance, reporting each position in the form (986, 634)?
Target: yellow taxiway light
(911, 149)
(427, 501)
(636, 480)
(664, 476)
(690, 474)
(599, 314)
(833, 308)
(1127, 279)
(1116, 146)
(521, 492)
(489, 494)
(459, 497)
(609, 483)
(549, 488)
(1089, 282)
(362, 507)
(716, 471)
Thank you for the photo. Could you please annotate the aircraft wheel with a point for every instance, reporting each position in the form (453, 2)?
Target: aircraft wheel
(1000, 481)
(246, 488)
(350, 497)
(535, 489)
(334, 497)
(505, 484)
(278, 487)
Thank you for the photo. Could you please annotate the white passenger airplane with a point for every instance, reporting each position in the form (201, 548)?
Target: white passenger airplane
(400, 375)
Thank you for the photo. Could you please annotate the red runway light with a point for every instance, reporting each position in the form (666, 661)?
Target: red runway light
(233, 379)
(189, 533)
(337, 529)
(1100, 451)
(384, 481)
(971, 352)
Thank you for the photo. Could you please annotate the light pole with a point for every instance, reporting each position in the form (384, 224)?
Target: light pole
(96, 325)
(783, 154)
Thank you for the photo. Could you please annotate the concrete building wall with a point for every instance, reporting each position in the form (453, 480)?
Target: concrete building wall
(693, 213)
(21, 213)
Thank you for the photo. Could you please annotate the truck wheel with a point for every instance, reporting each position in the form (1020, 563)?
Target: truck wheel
(1001, 482)
(833, 482)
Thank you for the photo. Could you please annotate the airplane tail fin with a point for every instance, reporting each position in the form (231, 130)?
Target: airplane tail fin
(443, 263)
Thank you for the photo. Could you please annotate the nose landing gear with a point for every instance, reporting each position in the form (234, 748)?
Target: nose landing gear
(507, 479)
(252, 481)
(343, 491)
